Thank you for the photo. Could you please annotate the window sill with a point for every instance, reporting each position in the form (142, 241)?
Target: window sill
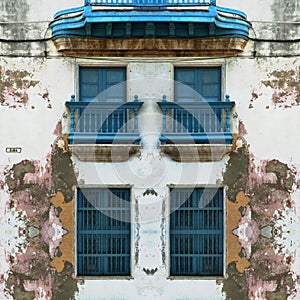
(196, 152)
(108, 153)
(218, 278)
(105, 277)
(104, 152)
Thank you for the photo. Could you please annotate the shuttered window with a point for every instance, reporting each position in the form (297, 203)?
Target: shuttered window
(104, 85)
(103, 232)
(205, 81)
(96, 80)
(196, 232)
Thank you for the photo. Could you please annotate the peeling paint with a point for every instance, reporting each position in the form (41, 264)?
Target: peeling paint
(67, 245)
(14, 87)
(286, 87)
(42, 265)
(257, 264)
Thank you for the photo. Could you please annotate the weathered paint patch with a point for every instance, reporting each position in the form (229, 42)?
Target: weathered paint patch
(286, 87)
(66, 247)
(43, 265)
(14, 87)
(257, 265)
(232, 222)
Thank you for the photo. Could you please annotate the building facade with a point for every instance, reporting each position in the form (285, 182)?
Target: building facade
(149, 149)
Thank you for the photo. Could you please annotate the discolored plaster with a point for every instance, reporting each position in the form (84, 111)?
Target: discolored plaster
(43, 266)
(286, 87)
(257, 267)
(232, 242)
(14, 85)
(66, 247)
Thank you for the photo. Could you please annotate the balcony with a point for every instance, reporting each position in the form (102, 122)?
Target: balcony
(103, 122)
(199, 123)
(150, 28)
(102, 131)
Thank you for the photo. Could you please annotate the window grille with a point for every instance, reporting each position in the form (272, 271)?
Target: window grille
(196, 232)
(103, 232)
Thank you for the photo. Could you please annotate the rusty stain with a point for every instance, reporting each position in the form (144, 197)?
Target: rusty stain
(66, 247)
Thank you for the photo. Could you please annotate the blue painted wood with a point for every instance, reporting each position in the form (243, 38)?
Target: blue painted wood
(103, 122)
(190, 81)
(103, 232)
(200, 123)
(196, 232)
(150, 2)
(181, 23)
(95, 80)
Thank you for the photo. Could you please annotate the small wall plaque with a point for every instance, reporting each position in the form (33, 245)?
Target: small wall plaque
(13, 149)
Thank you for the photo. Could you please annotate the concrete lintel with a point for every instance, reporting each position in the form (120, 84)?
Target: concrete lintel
(154, 47)
(104, 153)
(196, 153)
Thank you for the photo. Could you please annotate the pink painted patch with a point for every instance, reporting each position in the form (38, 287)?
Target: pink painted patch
(52, 232)
(248, 232)
(258, 288)
(42, 288)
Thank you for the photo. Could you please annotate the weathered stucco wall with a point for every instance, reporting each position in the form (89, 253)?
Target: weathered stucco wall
(261, 174)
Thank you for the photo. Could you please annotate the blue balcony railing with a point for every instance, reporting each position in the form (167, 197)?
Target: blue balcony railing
(111, 122)
(103, 122)
(150, 2)
(201, 123)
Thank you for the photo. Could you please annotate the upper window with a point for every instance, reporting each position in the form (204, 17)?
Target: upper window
(95, 80)
(195, 81)
(196, 232)
(103, 232)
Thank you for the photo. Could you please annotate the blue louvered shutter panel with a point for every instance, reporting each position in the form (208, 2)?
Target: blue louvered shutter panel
(196, 232)
(103, 84)
(205, 81)
(103, 232)
(191, 84)
(97, 80)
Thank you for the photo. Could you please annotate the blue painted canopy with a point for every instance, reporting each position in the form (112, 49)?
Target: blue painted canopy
(150, 18)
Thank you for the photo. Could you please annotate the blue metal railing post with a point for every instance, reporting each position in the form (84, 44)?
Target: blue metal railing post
(227, 124)
(72, 111)
(164, 112)
(213, 2)
(136, 111)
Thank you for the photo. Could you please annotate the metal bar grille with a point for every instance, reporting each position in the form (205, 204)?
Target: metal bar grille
(196, 232)
(103, 232)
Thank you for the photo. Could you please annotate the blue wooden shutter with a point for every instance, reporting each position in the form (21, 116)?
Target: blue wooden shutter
(103, 84)
(196, 232)
(205, 81)
(103, 232)
(96, 80)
